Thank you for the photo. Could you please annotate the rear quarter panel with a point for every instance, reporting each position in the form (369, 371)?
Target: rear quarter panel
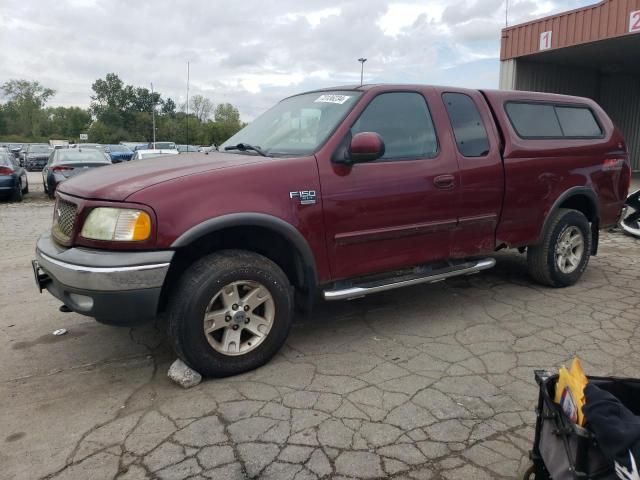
(538, 172)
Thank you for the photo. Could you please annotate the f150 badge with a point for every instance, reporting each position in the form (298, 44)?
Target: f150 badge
(306, 197)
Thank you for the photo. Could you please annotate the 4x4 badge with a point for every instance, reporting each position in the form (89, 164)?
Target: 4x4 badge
(307, 197)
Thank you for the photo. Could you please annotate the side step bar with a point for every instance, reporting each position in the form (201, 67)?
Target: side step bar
(356, 291)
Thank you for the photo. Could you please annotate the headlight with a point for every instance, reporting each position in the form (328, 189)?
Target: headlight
(118, 224)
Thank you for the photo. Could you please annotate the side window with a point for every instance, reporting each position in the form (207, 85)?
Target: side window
(546, 120)
(578, 122)
(471, 136)
(403, 121)
(534, 120)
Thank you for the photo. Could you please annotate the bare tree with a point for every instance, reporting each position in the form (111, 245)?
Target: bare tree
(201, 107)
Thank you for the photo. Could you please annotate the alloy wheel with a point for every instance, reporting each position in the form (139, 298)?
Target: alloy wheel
(239, 317)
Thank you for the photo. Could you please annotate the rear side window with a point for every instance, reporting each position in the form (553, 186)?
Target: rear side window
(534, 120)
(578, 122)
(471, 136)
(546, 120)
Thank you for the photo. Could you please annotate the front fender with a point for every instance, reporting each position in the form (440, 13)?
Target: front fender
(251, 219)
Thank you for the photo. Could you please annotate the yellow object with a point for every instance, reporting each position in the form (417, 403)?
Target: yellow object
(570, 391)
(142, 228)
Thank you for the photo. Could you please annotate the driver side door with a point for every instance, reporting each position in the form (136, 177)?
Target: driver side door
(400, 210)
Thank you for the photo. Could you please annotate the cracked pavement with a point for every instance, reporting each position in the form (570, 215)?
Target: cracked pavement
(429, 382)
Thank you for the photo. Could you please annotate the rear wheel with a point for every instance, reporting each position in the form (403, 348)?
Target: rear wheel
(26, 187)
(230, 313)
(16, 195)
(565, 250)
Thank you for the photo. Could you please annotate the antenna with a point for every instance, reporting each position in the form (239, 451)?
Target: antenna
(187, 106)
(153, 115)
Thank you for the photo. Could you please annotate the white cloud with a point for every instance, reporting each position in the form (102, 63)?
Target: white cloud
(251, 52)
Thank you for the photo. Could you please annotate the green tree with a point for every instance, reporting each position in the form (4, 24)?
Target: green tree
(227, 114)
(168, 107)
(66, 122)
(25, 101)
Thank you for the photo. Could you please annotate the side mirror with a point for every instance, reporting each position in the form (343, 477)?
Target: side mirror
(366, 147)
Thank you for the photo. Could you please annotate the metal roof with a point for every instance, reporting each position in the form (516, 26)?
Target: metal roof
(604, 20)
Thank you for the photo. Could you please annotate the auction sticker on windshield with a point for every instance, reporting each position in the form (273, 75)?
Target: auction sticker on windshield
(340, 99)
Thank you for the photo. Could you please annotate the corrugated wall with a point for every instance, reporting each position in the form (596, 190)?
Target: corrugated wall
(544, 77)
(607, 19)
(620, 97)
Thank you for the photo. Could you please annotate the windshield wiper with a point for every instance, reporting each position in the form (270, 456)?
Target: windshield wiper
(243, 147)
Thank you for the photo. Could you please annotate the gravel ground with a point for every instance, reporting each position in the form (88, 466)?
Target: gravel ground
(428, 382)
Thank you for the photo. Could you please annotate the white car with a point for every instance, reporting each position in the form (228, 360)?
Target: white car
(142, 154)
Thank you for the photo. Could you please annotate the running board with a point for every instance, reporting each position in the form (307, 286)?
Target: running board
(367, 288)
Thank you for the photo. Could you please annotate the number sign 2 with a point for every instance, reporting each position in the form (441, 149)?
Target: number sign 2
(545, 40)
(634, 21)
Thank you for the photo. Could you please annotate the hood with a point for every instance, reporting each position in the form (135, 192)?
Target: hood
(119, 181)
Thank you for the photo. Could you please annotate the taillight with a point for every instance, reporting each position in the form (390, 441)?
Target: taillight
(5, 171)
(61, 169)
(610, 164)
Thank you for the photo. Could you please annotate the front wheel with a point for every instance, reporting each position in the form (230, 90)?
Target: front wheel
(230, 313)
(564, 253)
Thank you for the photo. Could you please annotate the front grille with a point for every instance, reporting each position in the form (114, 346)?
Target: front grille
(64, 218)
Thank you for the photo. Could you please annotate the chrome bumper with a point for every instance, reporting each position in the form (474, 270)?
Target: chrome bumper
(101, 270)
(119, 288)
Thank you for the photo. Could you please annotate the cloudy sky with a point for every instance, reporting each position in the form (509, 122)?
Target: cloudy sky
(253, 52)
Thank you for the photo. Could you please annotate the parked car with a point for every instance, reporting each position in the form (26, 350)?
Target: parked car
(66, 163)
(36, 156)
(118, 153)
(144, 154)
(15, 149)
(13, 178)
(59, 143)
(187, 148)
(161, 146)
(346, 192)
(88, 146)
(132, 145)
(207, 149)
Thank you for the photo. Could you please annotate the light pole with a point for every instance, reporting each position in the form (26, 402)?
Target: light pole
(361, 60)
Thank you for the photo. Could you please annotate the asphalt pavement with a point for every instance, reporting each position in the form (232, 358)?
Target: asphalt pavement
(429, 382)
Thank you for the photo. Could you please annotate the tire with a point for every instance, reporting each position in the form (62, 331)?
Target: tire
(26, 188)
(545, 261)
(203, 287)
(16, 195)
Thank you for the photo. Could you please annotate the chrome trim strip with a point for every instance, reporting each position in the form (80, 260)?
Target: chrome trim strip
(83, 268)
(354, 292)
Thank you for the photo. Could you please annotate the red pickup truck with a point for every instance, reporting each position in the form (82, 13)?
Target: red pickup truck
(345, 191)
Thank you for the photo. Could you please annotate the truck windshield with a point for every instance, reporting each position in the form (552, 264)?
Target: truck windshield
(295, 126)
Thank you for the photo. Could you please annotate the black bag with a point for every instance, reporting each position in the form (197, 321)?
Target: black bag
(563, 450)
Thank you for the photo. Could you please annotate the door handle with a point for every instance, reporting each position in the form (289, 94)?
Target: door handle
(444, 181)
